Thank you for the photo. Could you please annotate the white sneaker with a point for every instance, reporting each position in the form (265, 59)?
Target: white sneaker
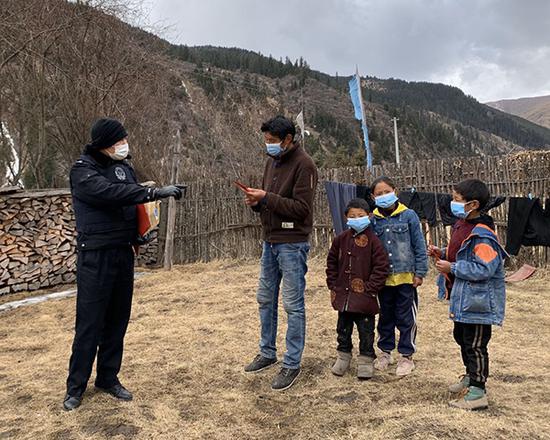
(405, 366)
(383, 361)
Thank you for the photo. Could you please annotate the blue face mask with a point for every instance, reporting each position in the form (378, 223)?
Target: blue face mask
(359, 224)
(274, 149)
(386, 200)
(458, 209)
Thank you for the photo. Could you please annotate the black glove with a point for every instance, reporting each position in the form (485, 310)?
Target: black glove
(168, 191)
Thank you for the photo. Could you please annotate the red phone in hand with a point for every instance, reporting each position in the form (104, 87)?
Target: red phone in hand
(241, 186)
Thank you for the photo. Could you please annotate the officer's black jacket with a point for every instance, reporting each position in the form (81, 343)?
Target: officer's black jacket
(105, 194)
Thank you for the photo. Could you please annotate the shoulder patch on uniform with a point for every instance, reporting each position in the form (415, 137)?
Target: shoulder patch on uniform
(485, 252)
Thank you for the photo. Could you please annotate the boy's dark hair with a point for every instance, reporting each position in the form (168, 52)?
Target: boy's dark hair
(357, 204)
(474, 189)
(382, 179)
(279, 126)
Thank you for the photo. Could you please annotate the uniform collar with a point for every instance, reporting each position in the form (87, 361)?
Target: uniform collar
(104, 160)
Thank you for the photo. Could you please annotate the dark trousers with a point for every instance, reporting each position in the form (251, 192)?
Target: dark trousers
(398, 309)
(105, 282)
(473, 340)
(365, 328)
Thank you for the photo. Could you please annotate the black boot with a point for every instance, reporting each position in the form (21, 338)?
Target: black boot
(71, 402)
(117, 391)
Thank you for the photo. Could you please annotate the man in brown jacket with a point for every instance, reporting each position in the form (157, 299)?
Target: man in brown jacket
(285, 204)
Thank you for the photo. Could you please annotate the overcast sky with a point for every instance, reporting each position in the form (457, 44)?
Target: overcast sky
(491, 49)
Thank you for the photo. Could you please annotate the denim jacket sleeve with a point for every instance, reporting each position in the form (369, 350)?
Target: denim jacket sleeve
(484, 262)
(418, 245)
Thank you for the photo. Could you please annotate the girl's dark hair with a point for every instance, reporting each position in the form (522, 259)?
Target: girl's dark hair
(474, 189)
(382, 179)
(357, 204)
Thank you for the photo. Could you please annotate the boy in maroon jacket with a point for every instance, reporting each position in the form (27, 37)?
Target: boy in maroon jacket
(357, 268)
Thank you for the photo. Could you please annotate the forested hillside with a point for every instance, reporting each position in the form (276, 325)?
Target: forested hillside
(64, 64)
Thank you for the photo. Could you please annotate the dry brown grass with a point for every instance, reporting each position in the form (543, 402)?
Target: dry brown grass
(192, 331)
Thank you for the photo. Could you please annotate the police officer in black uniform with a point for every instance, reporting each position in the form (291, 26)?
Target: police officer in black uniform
(105, 194)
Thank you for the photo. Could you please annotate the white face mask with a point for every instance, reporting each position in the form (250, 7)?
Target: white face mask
(121, 152)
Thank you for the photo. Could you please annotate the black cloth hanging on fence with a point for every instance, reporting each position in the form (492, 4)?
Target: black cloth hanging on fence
(423, 203)
(528, 224)
(339, 194)
(364, 192)
(447, 217)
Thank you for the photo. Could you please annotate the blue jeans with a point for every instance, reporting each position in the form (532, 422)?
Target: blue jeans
(286, 262)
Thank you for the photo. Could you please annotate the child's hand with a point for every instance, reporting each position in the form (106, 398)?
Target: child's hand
(417, 282)
(434, 251)
(443, 266)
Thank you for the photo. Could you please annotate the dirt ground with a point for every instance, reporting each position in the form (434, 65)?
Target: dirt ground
(193, 329)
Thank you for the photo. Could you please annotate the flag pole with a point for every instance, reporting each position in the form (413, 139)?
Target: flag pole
(363, 114)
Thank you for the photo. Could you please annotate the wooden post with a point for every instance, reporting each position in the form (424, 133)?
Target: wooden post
(171, 212)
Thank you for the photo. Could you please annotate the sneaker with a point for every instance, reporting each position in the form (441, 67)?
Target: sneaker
(260, 363)
(383, 361)
(285, 379)
(342, 363)
(365, 367)
(405, 366)
(475, 400)
(461, 385)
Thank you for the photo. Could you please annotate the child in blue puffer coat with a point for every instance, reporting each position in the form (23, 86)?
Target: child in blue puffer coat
(475, 274)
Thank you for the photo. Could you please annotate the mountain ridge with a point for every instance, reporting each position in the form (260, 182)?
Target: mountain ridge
(534, 108)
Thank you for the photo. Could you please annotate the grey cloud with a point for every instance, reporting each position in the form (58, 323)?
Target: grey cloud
(491, 49)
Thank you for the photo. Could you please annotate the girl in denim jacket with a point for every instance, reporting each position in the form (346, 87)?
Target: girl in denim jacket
(399, 230)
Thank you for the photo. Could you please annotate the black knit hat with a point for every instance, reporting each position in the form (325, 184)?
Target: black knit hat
(105, 133)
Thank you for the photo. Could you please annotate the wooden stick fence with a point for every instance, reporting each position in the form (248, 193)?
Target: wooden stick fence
(213, 222)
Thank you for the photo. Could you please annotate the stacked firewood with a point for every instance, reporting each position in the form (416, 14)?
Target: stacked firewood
(37, 241)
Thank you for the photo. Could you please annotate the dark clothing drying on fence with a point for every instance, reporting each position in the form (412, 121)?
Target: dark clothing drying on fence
(528, 224)
(447, 217)
(339, 194)
(423, 203)
(364, 192)
(444, 207)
